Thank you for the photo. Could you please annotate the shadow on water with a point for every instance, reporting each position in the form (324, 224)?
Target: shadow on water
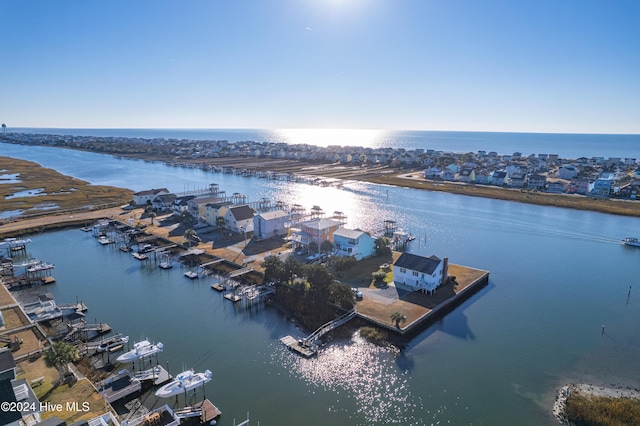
(454, 323)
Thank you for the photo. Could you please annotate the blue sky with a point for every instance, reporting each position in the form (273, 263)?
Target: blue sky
(496, 65)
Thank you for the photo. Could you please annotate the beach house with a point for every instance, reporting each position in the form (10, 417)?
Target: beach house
(315, 231)
(143, 198)
(353, 242)
(238, 218)
(270, 224)
(421, 273)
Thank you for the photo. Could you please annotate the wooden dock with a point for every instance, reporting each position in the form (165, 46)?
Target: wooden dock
(157, 375)
(118, 386)
(299, 346)
(218, 286)
(233, 297)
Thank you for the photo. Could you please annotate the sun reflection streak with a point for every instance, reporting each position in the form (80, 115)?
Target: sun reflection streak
(326, 137)
(365, 372)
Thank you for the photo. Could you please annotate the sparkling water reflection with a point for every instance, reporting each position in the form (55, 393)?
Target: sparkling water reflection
(363, 371)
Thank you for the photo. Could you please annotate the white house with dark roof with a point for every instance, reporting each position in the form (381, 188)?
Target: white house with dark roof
(353, 242)
(270, 224)
(238, 218)
(423, 274)
(146, 197)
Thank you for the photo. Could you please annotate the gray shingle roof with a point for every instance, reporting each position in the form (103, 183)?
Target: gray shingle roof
(418, 263)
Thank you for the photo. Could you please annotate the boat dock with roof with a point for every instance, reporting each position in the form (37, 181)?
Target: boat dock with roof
(118, 386)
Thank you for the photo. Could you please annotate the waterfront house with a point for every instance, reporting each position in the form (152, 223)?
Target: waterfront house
(212, 212)
(180, 204)
(579, 186)
(144, 198)
(315, 231)
(466, 175)
(537, 182)
(353, 242)
(432, 173)
(238, 218)
(601, 188)
(421, 273)
(483, 177)
(163, 202)
(499, 178)
(567, 172)
(197, 207)
(270, 224)
(517, 180)
(448, 175)
(556, 186)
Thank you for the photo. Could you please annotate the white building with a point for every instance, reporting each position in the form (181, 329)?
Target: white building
(270, 224)
(423, 274)
(146, 197)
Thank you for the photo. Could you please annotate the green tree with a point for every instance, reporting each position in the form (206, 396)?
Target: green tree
(292, 267)
(274, 268)
(398, 317)
(313, 247)
(343, 263)
(319, 278)
(189, 234)
(152, 215)
(341, 295)
(382, 246)
(220, 222)
(59, 355)
(326, 246)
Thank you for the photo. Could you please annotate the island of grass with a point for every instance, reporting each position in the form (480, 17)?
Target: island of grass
(28, 188)
(589, 405)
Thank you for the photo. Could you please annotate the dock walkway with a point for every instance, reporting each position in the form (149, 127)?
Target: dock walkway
(307, 346)
(118, 386)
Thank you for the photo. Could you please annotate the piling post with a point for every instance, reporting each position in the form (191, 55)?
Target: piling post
(602, 330)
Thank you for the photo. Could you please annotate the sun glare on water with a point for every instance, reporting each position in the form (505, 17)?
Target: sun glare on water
(327, 137)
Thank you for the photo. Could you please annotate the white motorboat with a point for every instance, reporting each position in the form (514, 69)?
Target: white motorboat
(184, 382)
(631, 241)
(141, 350)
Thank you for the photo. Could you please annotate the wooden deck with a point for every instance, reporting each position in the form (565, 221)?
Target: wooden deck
(299, 346)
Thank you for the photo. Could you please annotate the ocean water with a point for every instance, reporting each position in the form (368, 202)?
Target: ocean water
(557, 276)
(565, 145)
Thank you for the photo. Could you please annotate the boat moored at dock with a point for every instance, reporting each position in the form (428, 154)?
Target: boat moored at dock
(184, 382)
(141, 350)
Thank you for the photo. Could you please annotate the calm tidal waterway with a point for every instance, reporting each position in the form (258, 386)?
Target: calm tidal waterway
(557, 276)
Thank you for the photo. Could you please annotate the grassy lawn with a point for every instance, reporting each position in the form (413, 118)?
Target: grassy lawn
(80, 392)
(360, 274)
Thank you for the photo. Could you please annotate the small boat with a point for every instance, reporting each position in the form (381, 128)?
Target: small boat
(165, 265)
(112, 342)
(191, 274)
(184, 382)
(630, 241)
(140, 350)
(104, 240)
(139, 256)
(85, 229)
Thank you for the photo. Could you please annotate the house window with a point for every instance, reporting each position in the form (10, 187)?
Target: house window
(415, 273)
(403, 270)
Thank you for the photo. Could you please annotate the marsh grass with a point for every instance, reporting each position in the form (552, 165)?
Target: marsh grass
(597, 410)
(62, 191)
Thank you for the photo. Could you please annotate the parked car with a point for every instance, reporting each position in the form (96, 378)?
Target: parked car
(357, 292)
